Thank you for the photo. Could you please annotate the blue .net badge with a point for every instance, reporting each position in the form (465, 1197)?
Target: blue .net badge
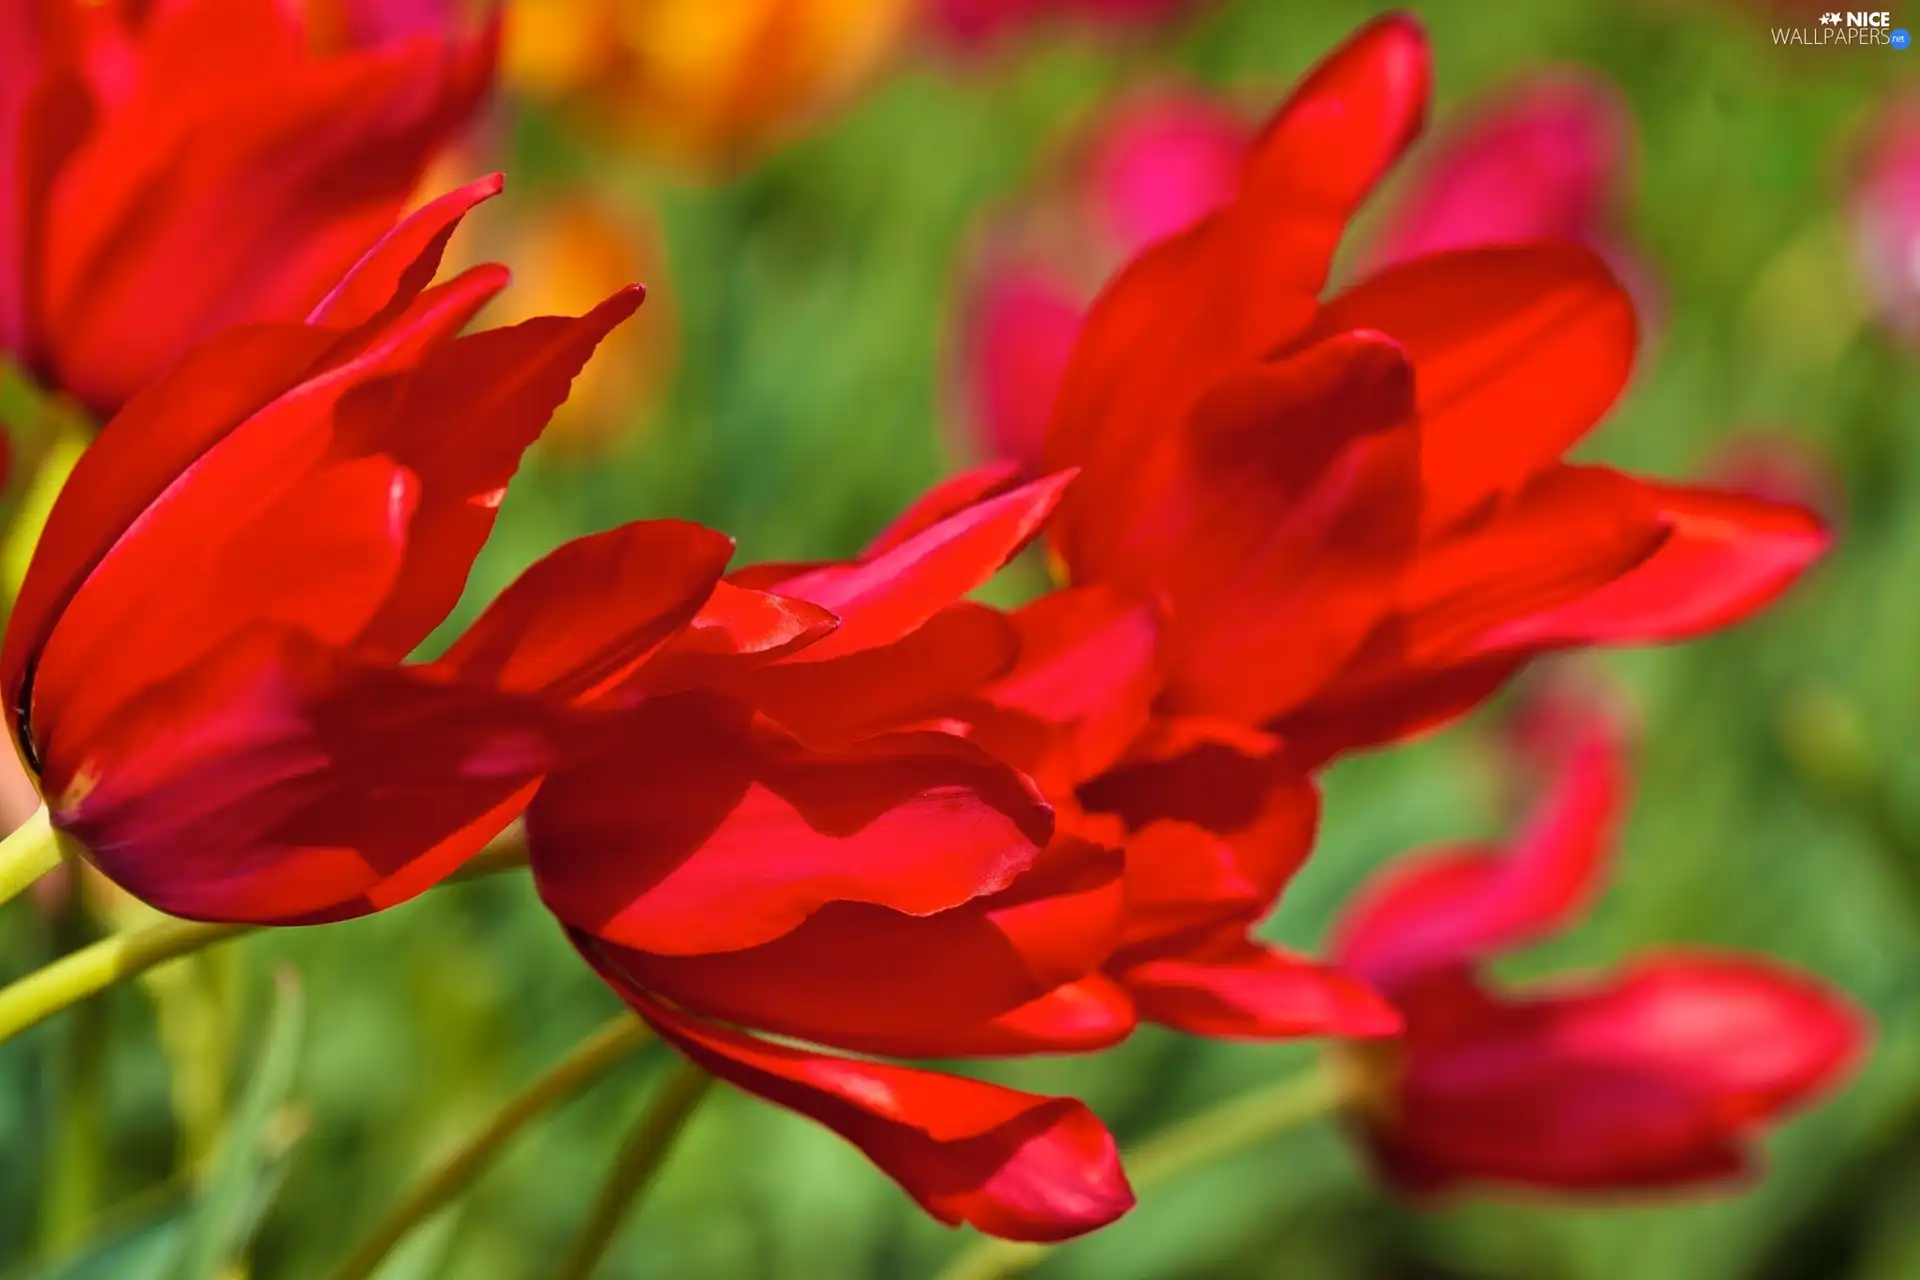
(1899, 38)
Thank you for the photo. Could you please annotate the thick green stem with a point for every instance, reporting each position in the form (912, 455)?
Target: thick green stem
(635, 1167)
(29, 853)
(1219, 1131)
(71, 1191)
(454, 1174)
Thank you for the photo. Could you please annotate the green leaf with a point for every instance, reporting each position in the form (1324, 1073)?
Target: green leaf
(248, 1168)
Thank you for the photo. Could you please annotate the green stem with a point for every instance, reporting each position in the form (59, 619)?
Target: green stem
(73, 1170)
(29, 853)
(635, 1167)
(113, 960)
(587, 1063)
(1219, 1131)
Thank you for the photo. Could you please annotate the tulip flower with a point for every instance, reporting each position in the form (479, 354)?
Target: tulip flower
(1886, 216)
(1355, 509)
(1062, 689)
(773, 841)
(1149, 169)
(1658, 1075)
(194, 161)
(1543, 160)
(229, 740)
(711, 84)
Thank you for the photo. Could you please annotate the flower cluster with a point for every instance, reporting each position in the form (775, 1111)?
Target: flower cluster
(810, 820)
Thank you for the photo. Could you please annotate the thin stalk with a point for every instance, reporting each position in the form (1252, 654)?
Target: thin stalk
(89, 971)
(32, 850)
(74, 1170)
(587, 1063)
(1218, 1131)
(635, 1168)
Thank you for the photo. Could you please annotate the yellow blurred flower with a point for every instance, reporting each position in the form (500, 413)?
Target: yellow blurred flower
(710, 81)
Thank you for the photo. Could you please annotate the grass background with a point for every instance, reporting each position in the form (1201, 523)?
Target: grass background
(1779, 789)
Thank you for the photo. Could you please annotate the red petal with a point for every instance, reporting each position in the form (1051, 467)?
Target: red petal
(694, 831)
(1011, 1164)
(1335, 138)
(1517, 352)
(135, 458)
(403, 262)
(1249, 990)
(461, 423)
(883, 597)
(230, 188)
(278, 782)
(1434, 911)
(1238, 286)
(238, 498)
(876, 981)
(1574, 529)
(736, 631)
(1082, 688)
(1304, 507)
(1726, 556)
(1647, 1081)
(580, 623)
(945, 500)
(889, 687)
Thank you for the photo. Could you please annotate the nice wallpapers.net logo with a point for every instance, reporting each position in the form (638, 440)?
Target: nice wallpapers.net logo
(1847, 30)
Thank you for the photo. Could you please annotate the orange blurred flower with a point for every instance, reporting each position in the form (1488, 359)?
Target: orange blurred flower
(703, 81)
(568, 245)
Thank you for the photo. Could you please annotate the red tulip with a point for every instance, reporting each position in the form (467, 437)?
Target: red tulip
(1355, 509)
(773, 840)
(233, 740)
(1149, 169)
(191, 160)
(1654, 1076)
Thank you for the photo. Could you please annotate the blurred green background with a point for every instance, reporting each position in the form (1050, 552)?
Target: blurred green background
(1779, 794)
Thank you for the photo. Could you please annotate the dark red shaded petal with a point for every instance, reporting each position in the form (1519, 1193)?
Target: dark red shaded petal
(1459, 906)
(1725, 556)
(1011, 1164)
(579, 624)
(461, 422)
(697, 830)
(1394, 710)
(1517, 352)
(892, 686)
(402, 263)
(1249, 990)
(279, 782)
(233, 186)
(1647, 1081)
(873, 980)
(882, 597)
(1304, 506)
